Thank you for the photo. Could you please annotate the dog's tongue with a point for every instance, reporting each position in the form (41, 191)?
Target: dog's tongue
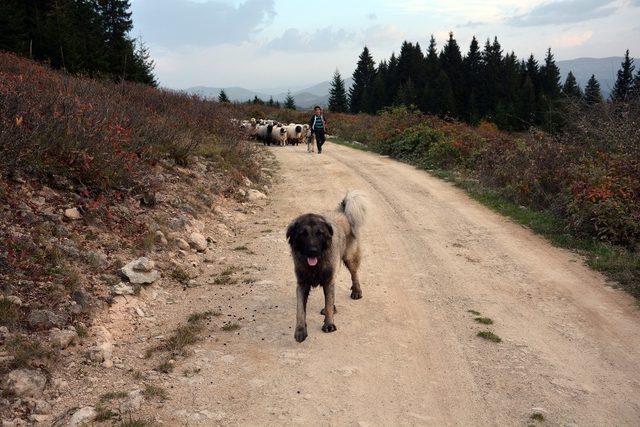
(312, 261)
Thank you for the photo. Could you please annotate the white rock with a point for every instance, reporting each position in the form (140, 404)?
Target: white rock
(141, 271)
(255, 195)
(133, 402)
(26, 383)
(123, 289)
(198, 241)
(182, 244)
(144, 265)
(62, 339)
(42, 407)
(14, 300)
(247, 182)
(241, 192)
(83, 416)
(72, 213)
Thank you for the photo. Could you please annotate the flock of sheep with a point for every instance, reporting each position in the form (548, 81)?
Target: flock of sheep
(272, 132)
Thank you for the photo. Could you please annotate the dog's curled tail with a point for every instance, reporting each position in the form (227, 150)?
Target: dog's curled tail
(354, 207)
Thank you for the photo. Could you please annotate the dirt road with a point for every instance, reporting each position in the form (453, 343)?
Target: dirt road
(407, 353)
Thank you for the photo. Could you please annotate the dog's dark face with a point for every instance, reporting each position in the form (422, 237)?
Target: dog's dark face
(310, 236)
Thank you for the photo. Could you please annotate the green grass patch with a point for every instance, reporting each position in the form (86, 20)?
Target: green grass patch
(165, 367)
(180, 275)
(25, 352)
(231, 326)
(103, 413)
(490, 336)
(113, 395)
(152, 392)
(474, 312)
(184, 335)
(203, 315)
(537, 416)
(484, 320)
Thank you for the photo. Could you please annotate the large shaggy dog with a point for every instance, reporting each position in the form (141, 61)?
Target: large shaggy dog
(318, 244)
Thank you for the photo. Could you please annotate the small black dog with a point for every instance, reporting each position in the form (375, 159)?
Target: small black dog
(318, 244)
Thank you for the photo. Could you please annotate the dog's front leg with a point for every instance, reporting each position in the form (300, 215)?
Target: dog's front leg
(329, 305)
(301, 313)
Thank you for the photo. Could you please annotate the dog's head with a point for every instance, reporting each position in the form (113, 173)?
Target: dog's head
(310, 236)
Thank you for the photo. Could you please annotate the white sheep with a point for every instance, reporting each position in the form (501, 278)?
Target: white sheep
(295, 133)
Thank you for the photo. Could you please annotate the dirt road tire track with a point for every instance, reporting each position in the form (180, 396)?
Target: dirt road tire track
(407, 353)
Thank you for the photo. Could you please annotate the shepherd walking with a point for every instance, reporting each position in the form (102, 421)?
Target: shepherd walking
(318, 126)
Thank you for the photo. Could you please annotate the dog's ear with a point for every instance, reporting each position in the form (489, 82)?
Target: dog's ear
(329, 228)
(291, 230)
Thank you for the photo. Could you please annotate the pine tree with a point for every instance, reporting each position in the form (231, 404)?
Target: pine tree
(391, 81)
(362, 78)
(451, 64)
(527, 103)
(429, 103)
(443, 95)
(411, 64)
(144, 66)
(592, 94)
(635, 93)
(624, 83)
(472, 66)
(338, 102)
(406, 94)
(511, 81)
(550, 77)
(492, 88)
(222, 97)
(257, 101)
(571, 88)
(270, 103)
(289, 102)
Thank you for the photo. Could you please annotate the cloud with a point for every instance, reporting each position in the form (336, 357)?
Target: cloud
(174, 23)
(382, 36)
(323, 39)
(472, 24)
(572, 39)
(564, 12)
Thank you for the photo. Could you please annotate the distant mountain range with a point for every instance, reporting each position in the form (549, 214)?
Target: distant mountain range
(605, 70)
(305, 97)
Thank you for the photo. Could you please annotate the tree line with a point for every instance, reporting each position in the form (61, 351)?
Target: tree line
(90, 37)
(289, 101)
(484, 84)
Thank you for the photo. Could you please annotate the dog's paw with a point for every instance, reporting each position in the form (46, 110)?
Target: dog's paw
(329, 327)
(335, 310)
(300, 334)
(356, 294)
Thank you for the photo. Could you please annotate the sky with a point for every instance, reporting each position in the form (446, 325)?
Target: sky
(287, 44)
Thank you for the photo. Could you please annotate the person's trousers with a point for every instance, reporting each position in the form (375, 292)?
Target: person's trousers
(320, 138)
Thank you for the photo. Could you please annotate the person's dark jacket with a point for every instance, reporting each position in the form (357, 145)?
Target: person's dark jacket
(311, 121)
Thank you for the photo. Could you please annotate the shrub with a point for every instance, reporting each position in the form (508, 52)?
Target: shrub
(103, 135)
(589, 174)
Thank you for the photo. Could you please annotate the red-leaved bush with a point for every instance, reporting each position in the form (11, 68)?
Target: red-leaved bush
(589, 174)
(102, 135)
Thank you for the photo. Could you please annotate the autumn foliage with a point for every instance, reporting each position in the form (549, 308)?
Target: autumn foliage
(103, 135)
(588, 175)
